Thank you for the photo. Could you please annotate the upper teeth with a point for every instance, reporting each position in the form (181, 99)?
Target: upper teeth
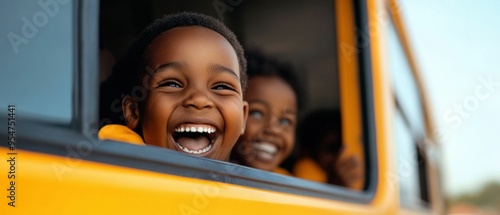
(267, 147)
(200, 129)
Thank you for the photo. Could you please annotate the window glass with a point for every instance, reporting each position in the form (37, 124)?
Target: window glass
(36, 58)
(407, 164)
(409, 125)
(403, 83)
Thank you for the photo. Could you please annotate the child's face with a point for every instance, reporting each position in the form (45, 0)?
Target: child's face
(270, 133)
(194, 103)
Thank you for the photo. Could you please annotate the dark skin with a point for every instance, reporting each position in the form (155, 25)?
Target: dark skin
(270, 130)
(341, 170)
(195, 101)
(346, 171)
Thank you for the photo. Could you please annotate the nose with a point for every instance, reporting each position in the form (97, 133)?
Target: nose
(198, 99)
(272, 127)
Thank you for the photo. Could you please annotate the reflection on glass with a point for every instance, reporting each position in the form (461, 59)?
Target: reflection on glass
(36, 54)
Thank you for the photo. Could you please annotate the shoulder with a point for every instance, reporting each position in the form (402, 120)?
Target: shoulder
(120, 133)
(307, 168)
(282, 171)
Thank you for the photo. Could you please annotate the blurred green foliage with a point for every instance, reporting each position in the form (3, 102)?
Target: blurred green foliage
(488, 197)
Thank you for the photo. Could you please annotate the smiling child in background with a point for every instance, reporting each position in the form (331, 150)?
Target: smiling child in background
(273, 105)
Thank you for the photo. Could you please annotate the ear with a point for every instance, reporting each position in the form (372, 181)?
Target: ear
(130, 112)
(245, 116)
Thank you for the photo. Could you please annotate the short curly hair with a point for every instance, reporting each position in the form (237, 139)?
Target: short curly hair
(127, 73)
(260, 64)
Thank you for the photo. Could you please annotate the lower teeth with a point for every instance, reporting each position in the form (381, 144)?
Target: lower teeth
(195, 152)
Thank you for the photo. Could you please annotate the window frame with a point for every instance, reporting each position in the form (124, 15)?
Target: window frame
(87, 77)
(367, 101)
(55, 140)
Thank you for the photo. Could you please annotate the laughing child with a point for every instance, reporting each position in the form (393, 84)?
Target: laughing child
(273, 104)
(179, 87)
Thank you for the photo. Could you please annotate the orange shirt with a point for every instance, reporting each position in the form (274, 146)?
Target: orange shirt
(282, 171)
(307, 168)
(120, 133)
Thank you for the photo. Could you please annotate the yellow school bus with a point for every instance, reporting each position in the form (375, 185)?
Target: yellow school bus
(349, 55)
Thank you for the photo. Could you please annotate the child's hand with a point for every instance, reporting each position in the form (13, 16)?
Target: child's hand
(346, 170)
(349, 170)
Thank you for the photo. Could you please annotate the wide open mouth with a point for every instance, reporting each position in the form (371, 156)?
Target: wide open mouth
(195, 139)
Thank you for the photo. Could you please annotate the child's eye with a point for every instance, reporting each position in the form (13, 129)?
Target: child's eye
(285, 122)
(223, 86)
(170, 83)
(256, 114)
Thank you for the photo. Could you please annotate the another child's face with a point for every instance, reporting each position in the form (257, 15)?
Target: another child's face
(195, 102)
(270, 133)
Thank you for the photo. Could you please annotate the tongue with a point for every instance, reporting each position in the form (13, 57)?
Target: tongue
(194, 144)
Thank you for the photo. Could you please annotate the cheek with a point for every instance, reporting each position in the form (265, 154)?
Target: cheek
(233, 116)
(154, 113)
(251, 132)
(290, 142)
(155, 116)
(252, 128)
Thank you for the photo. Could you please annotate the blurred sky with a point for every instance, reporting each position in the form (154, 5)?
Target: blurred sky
(457, 45)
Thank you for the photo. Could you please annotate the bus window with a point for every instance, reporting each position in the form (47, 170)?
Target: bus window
(40, 85)
(409, 127)
(297, 33)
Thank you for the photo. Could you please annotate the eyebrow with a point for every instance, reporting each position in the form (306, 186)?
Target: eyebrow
(221, 68)
(258, 101)
(287, 111)
(177, 65)
(170, 65)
